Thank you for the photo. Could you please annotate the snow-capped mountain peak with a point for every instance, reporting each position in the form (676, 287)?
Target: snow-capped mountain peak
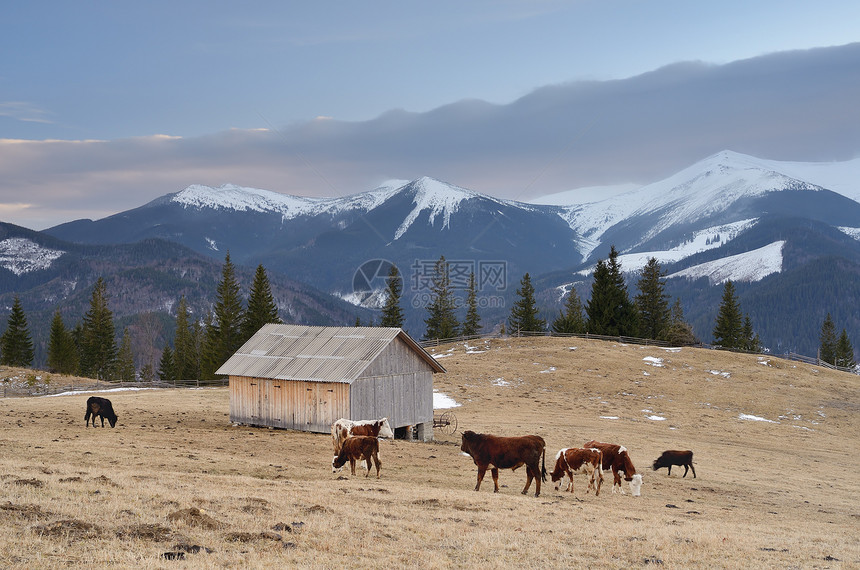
(438, 198)
(239, 198)
(702, 190)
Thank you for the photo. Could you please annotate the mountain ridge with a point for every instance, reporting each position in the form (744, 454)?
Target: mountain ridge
(728, 204)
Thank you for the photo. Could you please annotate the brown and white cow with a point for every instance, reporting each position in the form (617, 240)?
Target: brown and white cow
(677, 457)
(495, 452)
(358, 448)
(617, 458)
(344, 428)
(572, 460)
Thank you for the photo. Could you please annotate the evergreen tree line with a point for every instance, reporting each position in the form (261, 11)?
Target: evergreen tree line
(199, 349)
(201, 346)
(609, 311)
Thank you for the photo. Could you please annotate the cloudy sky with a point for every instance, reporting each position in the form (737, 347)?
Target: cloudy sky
(107, 105)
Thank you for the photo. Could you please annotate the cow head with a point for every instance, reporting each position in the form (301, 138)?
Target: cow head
(112, 420)
(558, 473)
(465, 445)
(337, 463)
(636, 485)
(385, 429)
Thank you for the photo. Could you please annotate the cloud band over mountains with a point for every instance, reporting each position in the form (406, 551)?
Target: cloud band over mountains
(799, 105)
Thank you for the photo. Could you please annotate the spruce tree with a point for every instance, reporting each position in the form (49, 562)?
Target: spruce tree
(167, 366)
(262, 309)
(571, 319)
(827, 347)
(441, 321)
(98, 341)
(524, 313)
(728, 329)
(185, 354)
(62, 352)
(208, 348)
(844, 351)
(749, 337)
(609, 310)
(472, 322)
(392, 313)
(679, 331)
(224, 337)
(125, 370)
(16, 345)
(652, 301)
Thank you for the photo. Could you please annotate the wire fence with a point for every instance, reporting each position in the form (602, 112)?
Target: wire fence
(39, 383)
(643, 341)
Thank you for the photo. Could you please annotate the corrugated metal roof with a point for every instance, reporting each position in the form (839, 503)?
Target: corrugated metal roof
(320, 354)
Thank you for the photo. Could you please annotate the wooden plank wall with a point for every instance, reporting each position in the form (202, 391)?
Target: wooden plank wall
(405, 399)
(306, 406)
(398, 385)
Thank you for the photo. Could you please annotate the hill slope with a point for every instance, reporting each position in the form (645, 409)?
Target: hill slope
(774, 446)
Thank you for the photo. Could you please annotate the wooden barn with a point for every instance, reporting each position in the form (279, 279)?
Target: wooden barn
(305, 378)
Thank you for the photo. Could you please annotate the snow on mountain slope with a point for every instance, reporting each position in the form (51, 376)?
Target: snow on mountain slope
(21, 255)
(705, 188)
(584, 195)
(441, 199)
(840, 177)
(752, 265)
(709, 238)
(853, 232)
(239, 198)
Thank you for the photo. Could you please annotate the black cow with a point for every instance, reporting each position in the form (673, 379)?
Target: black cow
(675, 457)
(100, 407)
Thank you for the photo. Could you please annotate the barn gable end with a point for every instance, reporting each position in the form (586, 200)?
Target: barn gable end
(305, 378)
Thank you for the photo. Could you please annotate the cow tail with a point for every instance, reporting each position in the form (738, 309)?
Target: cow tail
(543, 465)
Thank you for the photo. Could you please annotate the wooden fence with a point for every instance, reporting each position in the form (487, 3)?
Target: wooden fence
(644, 341)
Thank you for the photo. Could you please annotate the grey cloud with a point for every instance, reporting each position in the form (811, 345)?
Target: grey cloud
(787, 106)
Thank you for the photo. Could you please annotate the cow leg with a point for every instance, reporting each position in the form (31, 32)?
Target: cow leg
(352, 465)
(529, 476)
(494, 471)
(686, 468)
(617, 481)
(377, 462)
(670, 470)
(532, 473)
(693, 469)
(481, 472)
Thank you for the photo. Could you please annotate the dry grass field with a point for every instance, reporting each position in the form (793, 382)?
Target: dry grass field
(175, 485)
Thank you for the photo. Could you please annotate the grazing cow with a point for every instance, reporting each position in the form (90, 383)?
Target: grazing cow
(677, 457)
(100, 407)
(506, 453)
(615, 457)
(358, 448)
(344, 428)
(577, 460)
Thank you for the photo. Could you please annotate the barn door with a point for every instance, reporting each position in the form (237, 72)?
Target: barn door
(271, 404)
(319, 406)
(254, 391)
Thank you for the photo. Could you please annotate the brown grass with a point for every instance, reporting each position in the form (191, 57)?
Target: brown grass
(175, 485)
